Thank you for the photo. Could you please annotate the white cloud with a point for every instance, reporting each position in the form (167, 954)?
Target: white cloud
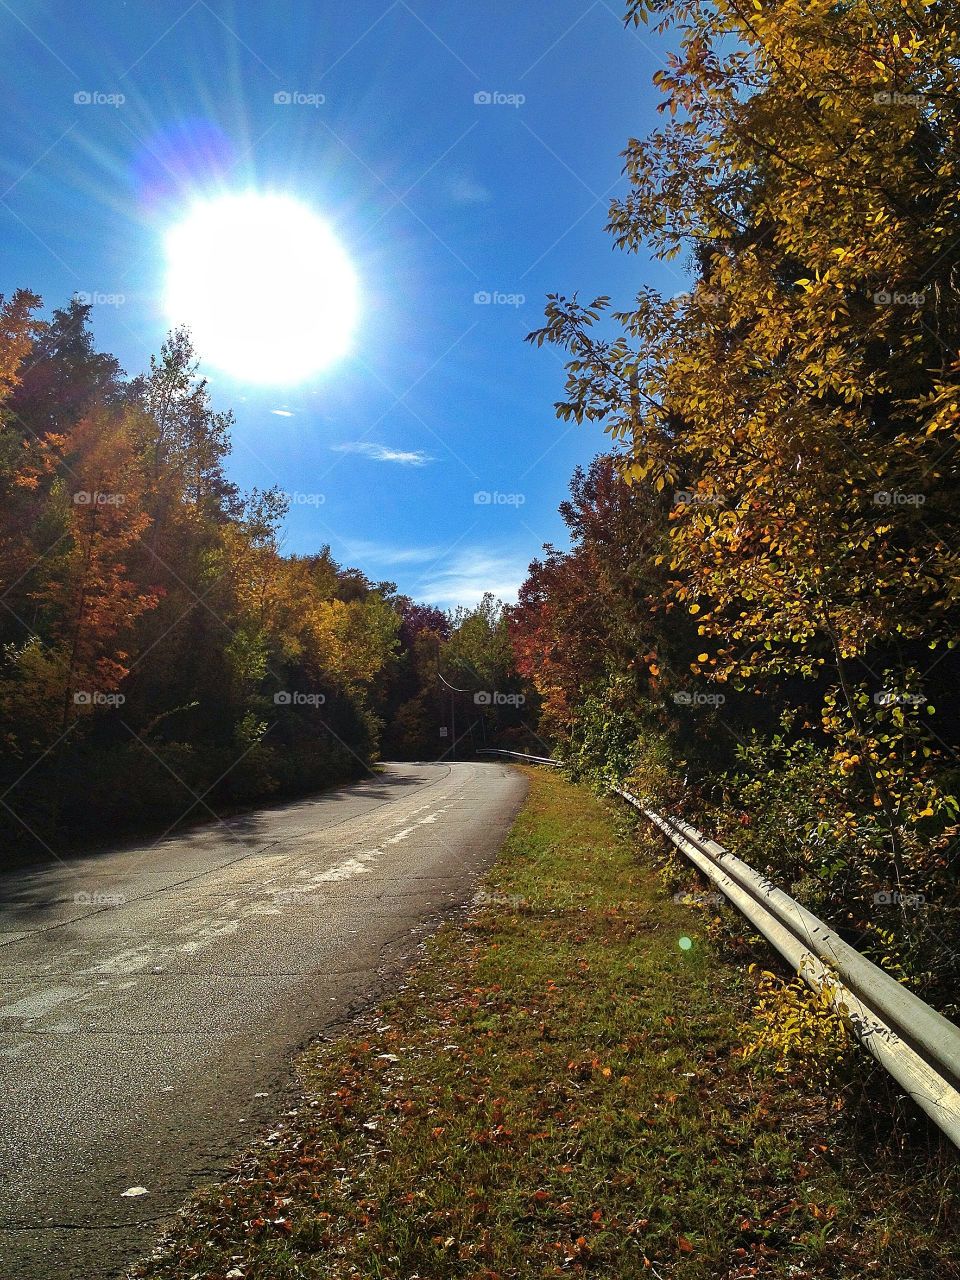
(463, 188)
(463, 576)
(387, 555)
(448, 577)
(382, 453)
(282, 413)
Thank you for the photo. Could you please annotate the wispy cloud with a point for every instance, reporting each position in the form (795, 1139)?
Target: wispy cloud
(463, 576)
(463, 188)
(448, 577)
(282, 413)
(382, 453)
(382, 554)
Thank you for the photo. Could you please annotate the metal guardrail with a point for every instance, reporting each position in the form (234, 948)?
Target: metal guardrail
(519, 755)
(918, 1046)
(915, 1019)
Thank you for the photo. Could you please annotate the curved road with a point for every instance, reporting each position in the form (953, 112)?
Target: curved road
(152, 996)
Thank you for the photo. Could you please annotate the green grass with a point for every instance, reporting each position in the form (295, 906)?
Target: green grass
(558, 1089)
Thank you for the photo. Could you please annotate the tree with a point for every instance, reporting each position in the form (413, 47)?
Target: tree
(158, 652)
(479, 658)
(799, 405)
(412, 695)
(85, 588)
(63, 375)
(804, 407)
(18, 333)
(183, 441)
(26, 459)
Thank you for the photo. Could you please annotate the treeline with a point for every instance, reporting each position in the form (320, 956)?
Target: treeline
(757, 621)
(160, 657)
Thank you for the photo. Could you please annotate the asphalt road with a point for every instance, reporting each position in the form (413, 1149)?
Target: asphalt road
(152, 996)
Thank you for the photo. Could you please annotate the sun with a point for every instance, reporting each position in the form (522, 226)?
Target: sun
(268, 293)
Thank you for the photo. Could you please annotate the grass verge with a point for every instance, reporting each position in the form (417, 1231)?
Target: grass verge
(557, 1089)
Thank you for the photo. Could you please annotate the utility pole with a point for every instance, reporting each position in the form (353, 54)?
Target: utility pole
(453, 707)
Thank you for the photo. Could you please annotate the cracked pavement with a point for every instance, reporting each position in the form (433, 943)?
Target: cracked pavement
(151, 998)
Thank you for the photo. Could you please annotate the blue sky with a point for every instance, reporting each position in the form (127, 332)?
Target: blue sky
(435, 197)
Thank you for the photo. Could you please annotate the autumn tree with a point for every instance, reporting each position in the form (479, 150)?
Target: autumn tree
(160, 657)
(27, 460)
(19, 330)
(595, 628)
(85, 587)
(63, 374)
(801, 397)
(413, 704)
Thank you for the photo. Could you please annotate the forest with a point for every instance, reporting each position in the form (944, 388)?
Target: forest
(757, 620)
(161, 659)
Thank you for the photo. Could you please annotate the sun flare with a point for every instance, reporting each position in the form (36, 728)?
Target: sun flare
(267, 291)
